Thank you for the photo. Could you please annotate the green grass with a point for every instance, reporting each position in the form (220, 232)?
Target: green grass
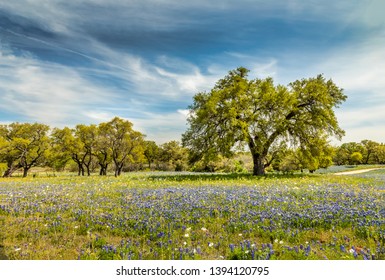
(194, 216)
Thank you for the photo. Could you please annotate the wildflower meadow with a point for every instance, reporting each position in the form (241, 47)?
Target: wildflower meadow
(173, 216)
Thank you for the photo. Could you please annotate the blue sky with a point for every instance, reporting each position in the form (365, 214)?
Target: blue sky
(68, 62)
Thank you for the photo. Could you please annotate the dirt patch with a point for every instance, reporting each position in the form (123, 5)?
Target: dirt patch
(356, 171)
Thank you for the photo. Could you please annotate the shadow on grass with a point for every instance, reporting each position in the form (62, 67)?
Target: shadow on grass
(222, 176)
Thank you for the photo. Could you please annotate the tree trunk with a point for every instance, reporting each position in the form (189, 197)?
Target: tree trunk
(11, 168)
(118, 168)
(259, 165)
(116, 171)
(81, 169)
(25, 172)
(8, 173)
(103, 169)
(88, 164)
(88, 170)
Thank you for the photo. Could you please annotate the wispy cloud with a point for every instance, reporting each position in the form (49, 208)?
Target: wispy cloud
(45, 92)
(69, 62)
(359, 70)
(61, 95)
(162, 127)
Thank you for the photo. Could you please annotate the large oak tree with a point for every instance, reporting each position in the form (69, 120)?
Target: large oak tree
(259, 114)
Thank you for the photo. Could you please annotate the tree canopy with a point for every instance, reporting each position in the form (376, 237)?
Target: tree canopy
(261, 115)
(23, 145)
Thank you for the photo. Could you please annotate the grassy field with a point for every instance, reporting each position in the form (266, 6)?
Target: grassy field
(193, 216)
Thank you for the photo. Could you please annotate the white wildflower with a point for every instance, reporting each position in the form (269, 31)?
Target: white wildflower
(186, 235)
(211, 244)
(204, 229)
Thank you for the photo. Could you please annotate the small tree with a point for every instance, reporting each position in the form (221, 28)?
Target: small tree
(317, 154)
(379, 154)
(356, 158)
(24, 145)
(124, 142)
(151, 152)
(86, 135)
(103, 149)
(345, 151)
(67, 146)
(174, 155)
(369, 150)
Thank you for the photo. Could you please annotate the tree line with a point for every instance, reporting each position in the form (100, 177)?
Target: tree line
(115, 146)
(282, 128)
(110, 146)
(325, 155)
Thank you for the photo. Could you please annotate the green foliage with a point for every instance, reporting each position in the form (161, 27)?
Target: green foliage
(103, 151)
(151, 152)
(174, 156)
(379, 154)
(23, 145)
(344, 152)
(316, 154)
(356, 158)
(256, 113)
(87, 138)
(3, 167)
(235, 164)
(125, 143)
(88, 146)
(371, 153)
(67, 145)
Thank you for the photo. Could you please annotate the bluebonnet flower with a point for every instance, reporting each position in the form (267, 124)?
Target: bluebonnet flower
(232, 246)
(307, 250)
